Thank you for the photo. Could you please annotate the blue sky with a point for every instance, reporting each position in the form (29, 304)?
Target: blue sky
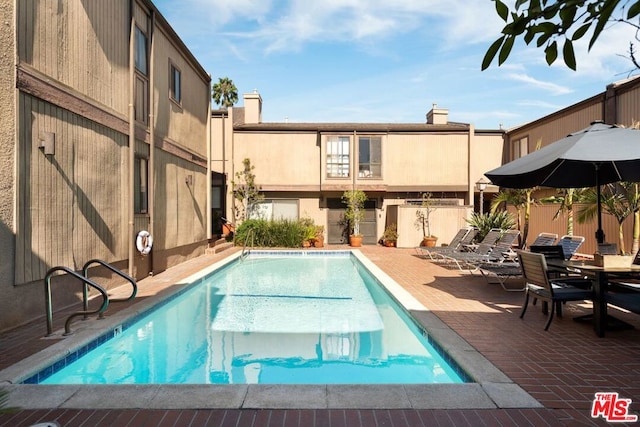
(386, 60)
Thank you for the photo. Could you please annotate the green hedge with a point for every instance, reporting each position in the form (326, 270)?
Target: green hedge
(279, 233)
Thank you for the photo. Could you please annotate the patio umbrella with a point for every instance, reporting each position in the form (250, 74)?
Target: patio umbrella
(600, 154)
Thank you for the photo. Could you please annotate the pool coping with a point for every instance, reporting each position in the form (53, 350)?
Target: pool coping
(491, 389)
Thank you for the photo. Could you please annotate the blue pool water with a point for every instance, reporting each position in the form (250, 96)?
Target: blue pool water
(321, 319)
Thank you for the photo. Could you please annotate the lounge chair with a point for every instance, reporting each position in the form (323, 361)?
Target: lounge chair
(570, 245)
(553, 291)
(485, 252)
(463, 237)
(510, 269)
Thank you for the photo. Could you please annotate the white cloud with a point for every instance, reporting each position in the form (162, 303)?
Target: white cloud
(555, 89)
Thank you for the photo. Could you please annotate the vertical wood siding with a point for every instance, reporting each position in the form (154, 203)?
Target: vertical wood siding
(629, 106)
(185, 124)
(180, 212)
(83, 44)
(69, 204)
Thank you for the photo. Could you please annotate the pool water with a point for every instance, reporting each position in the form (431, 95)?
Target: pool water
(267, 319)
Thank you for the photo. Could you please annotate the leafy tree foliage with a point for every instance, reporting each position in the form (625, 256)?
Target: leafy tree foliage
(554, 22)
(224, 93)
(246, 193)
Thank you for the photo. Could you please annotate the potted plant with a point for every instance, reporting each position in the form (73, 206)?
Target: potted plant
(318, 240)
(390, 235)
(423, 220)
(354, 199)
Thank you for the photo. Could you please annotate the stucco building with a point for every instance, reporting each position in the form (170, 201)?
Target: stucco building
(304, 168)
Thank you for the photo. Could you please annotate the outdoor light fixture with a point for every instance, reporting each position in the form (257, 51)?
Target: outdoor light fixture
(189, 180)
(481, 186)
(47, 143)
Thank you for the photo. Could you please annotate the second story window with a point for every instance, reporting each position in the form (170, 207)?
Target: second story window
(520, 147)
(175, 89)
(370, 157)
(338, 157)
(141, 185)
(141, 51)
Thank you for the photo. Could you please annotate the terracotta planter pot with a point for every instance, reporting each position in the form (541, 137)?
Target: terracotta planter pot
(355, 241)
(318, 242)
(429, 241)
(390, 243)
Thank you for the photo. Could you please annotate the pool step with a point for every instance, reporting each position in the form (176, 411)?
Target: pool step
(219, 246)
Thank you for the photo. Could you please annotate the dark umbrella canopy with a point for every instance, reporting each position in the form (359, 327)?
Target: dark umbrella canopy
(572, 161)
(600, 154)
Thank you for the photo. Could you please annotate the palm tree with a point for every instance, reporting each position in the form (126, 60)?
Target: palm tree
(224, 93)
(521, 199)
(620, 200)
(566, 198)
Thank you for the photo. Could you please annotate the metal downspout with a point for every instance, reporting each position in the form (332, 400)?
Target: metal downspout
(152, 137)
(208, 180)
(132, 142)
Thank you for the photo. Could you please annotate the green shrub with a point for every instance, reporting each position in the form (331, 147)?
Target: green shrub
(281, 233)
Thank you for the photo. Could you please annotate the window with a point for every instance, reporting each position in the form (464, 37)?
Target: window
(140, 185)
(175, 91)
(520, 147)
(141, 105)
(338, 157)
(370, 157)
(141, 51)
(275, 210)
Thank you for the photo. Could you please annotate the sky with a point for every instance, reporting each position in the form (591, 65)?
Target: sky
(387, 61)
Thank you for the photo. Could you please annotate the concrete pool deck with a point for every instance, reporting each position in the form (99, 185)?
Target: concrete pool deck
(475, 322)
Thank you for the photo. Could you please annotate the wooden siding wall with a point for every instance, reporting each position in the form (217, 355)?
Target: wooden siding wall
(180, 216)
(69, 204)
(558, 126)
(629, 106)
(184, 123)
(83, 44)
(541, 220)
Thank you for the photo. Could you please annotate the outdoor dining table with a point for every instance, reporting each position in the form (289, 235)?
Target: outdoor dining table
(600, 277)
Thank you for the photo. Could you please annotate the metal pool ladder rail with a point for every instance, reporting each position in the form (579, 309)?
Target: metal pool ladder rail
(85, 271)
(47, 295)
(245, 251)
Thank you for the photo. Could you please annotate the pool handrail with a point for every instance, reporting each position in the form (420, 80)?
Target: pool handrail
(85, 271)
(47, 297)
(250, 234)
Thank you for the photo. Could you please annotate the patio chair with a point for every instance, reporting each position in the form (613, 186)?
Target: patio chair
(570, 245)
(463, 237)
(542, 239)
(540, 286)
(485, 252)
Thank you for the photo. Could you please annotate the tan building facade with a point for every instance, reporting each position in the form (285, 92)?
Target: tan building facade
(303, 169)
(105, 133)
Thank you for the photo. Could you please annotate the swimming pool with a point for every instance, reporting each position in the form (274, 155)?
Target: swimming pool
(246, 324)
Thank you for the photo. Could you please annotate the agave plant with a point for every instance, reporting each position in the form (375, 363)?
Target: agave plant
(485, 222)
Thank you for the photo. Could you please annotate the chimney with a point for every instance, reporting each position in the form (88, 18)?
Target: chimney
(437, 116)
(252, 107)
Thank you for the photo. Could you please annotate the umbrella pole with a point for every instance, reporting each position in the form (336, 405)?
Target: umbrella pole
(599, 231)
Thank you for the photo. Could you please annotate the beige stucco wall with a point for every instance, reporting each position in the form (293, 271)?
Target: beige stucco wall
(7, 158)
(445, 223)
(417, 158)
(285, 160)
